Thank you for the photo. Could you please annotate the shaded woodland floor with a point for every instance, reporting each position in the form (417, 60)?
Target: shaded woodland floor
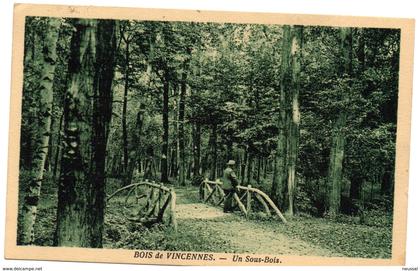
(202, 227)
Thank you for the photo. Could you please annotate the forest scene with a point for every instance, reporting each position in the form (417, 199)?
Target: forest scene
(128, 127)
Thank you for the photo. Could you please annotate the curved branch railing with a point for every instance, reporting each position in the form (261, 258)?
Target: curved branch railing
(157, 200)
(212, 191)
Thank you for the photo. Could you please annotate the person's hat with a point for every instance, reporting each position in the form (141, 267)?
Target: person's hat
(231, 163)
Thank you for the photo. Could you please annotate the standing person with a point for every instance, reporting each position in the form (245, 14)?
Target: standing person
(229, 186)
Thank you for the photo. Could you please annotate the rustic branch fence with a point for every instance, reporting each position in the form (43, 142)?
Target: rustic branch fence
(147, 203)
(211, 191)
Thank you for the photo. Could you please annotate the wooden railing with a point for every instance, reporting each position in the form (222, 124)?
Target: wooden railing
(211, 191)
(146, 202)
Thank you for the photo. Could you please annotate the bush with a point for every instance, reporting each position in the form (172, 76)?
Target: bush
(378, 218)
(309, 200)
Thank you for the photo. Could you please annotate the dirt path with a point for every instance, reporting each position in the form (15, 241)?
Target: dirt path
(241, 234)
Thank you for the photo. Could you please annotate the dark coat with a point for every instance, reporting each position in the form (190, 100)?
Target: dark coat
(229, 180)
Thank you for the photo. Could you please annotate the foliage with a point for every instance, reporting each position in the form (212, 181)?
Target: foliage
(345, 236)
(120, 233)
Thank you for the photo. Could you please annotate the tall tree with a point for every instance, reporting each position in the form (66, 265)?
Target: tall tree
(134, 155)
(294, 115)
(335, 172)
(196, 139)
(213, 146)
(127, 40)
(165, 124)
(42, 137)
(284, 178)
(356, 182)
(87, 113)
(182, 153)
(181, 134)
(279, 184)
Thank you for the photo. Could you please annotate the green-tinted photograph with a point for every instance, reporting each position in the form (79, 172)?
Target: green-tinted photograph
(208, 137)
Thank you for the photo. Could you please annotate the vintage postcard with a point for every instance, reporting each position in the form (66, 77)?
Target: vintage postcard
(208, 138)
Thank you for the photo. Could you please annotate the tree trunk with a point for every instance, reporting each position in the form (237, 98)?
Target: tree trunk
(338, 135)
(239, 164)
(357, 182)
(387, 182)
(135, 148)
(259, 170)
(336, 165)
(249, 169)
(165, 137)
(229, 150)
(172, 159)
(197, 148)
(155, 166)
(45, 88)
(173, 152)
(280, 171)
(87, 113)
(213, 145)
(124, 112)
(243, 166)
(294, 116)
(58, 148)
(49, 156)
(265, 162)
(181, 128)
(189, 168)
